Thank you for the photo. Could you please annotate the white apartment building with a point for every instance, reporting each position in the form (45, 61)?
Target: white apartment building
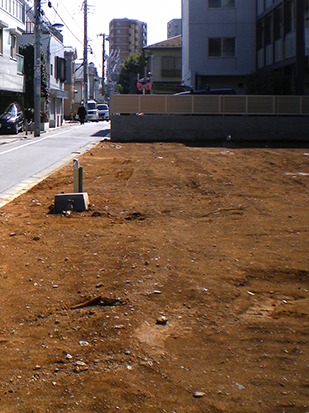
(174, 28)
(218, 48)
(12, 25)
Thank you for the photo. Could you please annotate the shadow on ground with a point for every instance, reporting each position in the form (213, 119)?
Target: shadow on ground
(224, 143)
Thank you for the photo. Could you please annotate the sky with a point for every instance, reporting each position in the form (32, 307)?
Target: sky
(156, 13)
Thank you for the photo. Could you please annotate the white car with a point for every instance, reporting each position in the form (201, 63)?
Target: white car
(92, 111)
(103, 111)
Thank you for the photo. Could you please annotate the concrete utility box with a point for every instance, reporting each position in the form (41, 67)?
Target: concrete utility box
(75, 201)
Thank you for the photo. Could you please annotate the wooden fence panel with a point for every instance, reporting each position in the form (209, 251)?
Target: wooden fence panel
(288, 105)
(211, 104)
(264, 105)
(152, 104)
(179, 104)
(234, 104)
(125, 104)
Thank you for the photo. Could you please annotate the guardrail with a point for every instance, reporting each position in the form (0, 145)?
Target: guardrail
(210, 105)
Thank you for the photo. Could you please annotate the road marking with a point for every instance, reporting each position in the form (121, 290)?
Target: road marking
(14, 192)
(32, 142)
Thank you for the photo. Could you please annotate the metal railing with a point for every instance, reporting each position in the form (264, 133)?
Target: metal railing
(14, 7)
(210, 105)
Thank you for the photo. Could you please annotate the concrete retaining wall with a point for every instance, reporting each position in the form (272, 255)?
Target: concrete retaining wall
(203, 128)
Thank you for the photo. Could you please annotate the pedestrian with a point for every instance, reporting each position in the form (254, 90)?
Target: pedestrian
(81, 113)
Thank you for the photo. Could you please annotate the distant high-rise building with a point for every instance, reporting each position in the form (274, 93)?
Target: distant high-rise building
(174, 28)
(127, 36)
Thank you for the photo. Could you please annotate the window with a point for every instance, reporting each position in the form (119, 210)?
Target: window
(218, 4)
(268, 30)
(260, 7)
(13, 46)
(221, 47)
(260, 35)
(171, 66)
(60, 68)
(289, 16)
(278, 22)
(268, 3)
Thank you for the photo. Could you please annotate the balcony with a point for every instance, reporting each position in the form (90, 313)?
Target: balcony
(15, 8)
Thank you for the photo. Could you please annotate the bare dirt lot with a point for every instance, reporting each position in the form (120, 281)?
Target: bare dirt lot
(195, 262)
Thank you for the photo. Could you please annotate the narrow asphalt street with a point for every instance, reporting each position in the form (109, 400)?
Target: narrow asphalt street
(26, 160)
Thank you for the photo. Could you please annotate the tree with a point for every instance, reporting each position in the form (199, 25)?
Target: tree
(132, 67)
(27, 51)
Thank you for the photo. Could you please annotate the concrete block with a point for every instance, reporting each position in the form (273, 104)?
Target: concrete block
(79, 201)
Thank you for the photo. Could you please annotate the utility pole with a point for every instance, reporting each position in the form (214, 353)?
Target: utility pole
(103, 63)
(85, 52)
(37, 66)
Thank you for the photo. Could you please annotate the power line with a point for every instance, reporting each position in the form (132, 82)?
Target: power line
(68, 28)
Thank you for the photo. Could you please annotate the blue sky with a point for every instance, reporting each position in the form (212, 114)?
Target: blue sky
(70, 12)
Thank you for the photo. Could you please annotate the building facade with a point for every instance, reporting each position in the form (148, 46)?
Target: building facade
(164, 64)
(70, 56)
(174, 28)
(218, 48)
(283, 43)
(93, 84)
(127, 36)
(54, 53)
(12, 26)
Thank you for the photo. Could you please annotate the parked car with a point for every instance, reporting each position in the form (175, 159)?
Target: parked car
(12, 119)
(92, 111)
(103, 110)
(225, 91)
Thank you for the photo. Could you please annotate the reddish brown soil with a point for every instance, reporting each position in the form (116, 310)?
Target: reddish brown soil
(198, 258)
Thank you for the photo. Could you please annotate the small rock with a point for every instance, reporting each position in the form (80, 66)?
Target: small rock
(162, 320)
(37, 238)
(83, 343)
(80, 364)
(157, 292)
(199, 394)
